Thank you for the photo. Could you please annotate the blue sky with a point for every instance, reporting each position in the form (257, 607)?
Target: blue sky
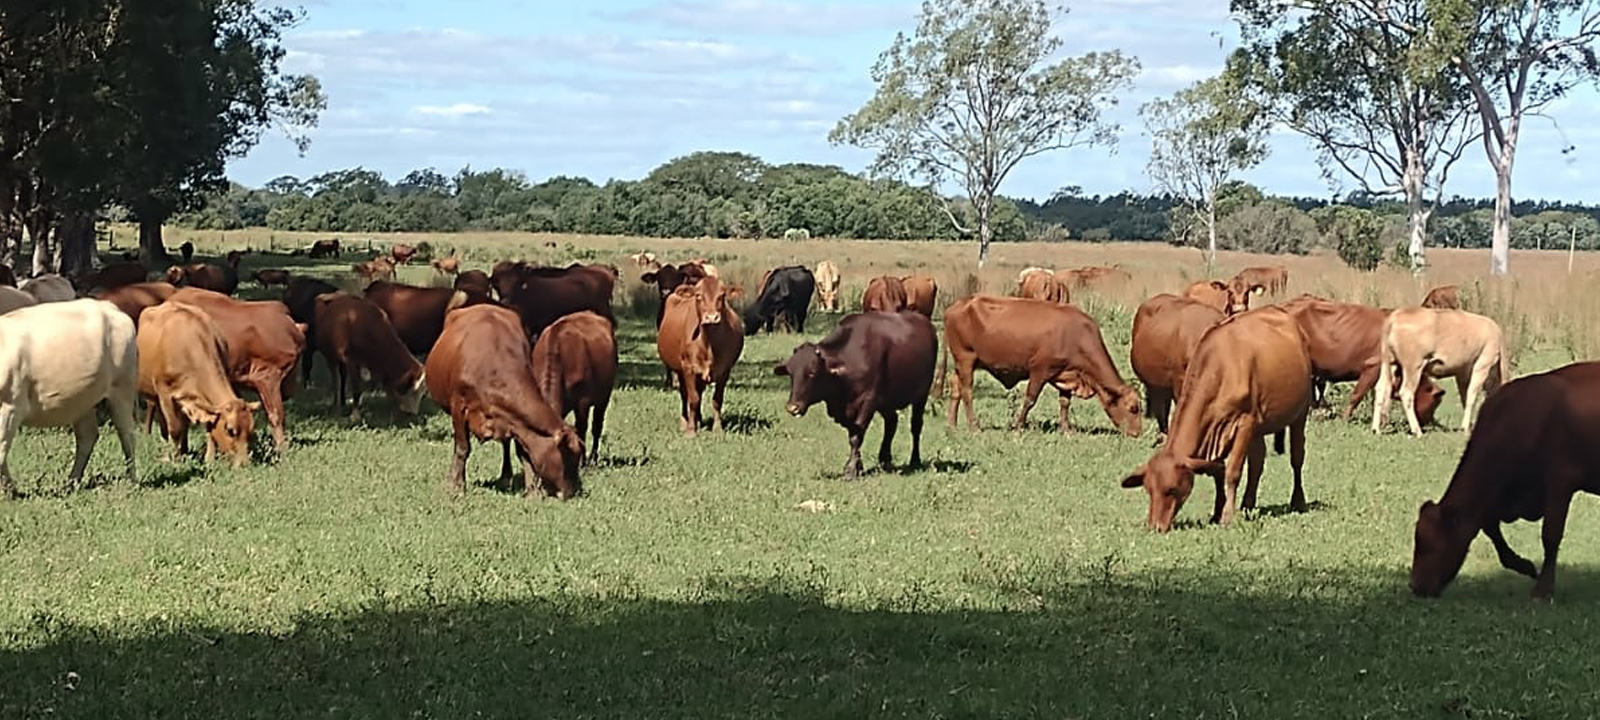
(612, 88)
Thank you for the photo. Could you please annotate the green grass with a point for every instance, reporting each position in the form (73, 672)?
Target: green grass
(1012, 578)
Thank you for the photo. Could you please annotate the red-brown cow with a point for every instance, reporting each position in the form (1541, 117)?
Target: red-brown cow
(700, 340)
(417, 313)
(375, 270)
(136, 298)
(474, 282)
(1218, 295)
(922, 291)
(263, 345)
(1166, 329)
(1344, 342)
(181, 375)
(447, 265)
(325, 248)
(1258, 279)
(216, 278)
(885, 294)
(1043, 285)
(575, 361)
(1444, 297)
(402, 253)
(354, 335)
(301, 299)
(268, 278)
(543, 295)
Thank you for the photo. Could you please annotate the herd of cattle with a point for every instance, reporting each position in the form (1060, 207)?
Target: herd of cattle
(509, 354)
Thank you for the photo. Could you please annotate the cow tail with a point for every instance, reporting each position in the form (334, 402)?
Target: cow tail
(1277, 442)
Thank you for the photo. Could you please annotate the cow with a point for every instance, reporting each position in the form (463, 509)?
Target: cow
(1249, 377)
(116, 275)
(786, 292)
(182, 379)
(1441, 343)
(301, 299)
(1532, 451)
(480, 372)
(1218, 295)
(448, 265)
(705, 265)
(402, 253)
(136, 298)
(1253, 280)
(325, 248)
(186, 252)
(1031, 269)
(49, 288)
(1344, 342)
(377, 269)
(1166, 329)
(57, 362)
(543, 295)
(1093, 275)
(1044, 285)
(216, 278)
(234, 257)
(417, 313)
(354, 336)
(268, 278)
(474, 282)
(699, 341)
(1444, 297)
(885, 294)
(12, 299)
(668, 278)
(264, 343)
(575, 363)
(827, 277)
(645, 260)
(921, 292)
(874, 363)
(1018, 339)
(8, 278)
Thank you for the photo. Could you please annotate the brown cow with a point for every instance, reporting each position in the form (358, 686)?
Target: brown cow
(417, 313)
(1093, 275)
(885, 294)
(449, 265)
(479, 371)
(354, 335)
(183, 380)
(668, 278)
(921, 293)
(116, 275)
(216, 278)
(1018, 339)
(474, 282)
(1444, 297)
(1215, 293)
(1532, 451)
(263, 345)
(1249, 377)
(136, 298)
(1344, 342)
(268, 278)
(234, 257)
(1043, 285)
(827, 276)
(325, 248)
(377, 269)
(1253, 280)
(1166, 329)
(575, 362)
(1441, 343)
(301, 299)
(700, 340)
(543, 295)
(402, 253)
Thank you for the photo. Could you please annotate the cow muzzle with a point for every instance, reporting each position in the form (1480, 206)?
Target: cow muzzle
(796, 409)
(711, 318)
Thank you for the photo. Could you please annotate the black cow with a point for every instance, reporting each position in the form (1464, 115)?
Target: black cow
(301, 297)
(787, 292)
(874, 363)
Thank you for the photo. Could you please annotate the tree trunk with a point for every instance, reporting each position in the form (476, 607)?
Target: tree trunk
(75, 243)
(985, 208)
(1500, 248)
(1417, 212)
(46, 257)
(10, 223)
(152, 252)
(1211, 231)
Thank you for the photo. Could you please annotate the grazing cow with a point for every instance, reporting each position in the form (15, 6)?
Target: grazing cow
(474, 282)
(543, 295)
(268, 278)
(885, 294)
(263, 344)
(1252, 280)
(645, 260)
(325, 248)
(417, 313)
(116, 275)
(1044, 285)
(49, 288)
(136, 298)
(1344, 341)
(1444, 297)
(448, 266)
(1249, 377)
(480, 372)
(1018, 339)
(827, 276)
(57, 362)
(216, 278)
(700, 340)
(1532, 451)
(921, 292)
(1440, 343)
(12, 298)
(1166, 329)
(669, 277)
(787, 292)
(375, 270)
(872, 364)
(182, 379)
(301, 299)
(8, 278)
(575, 362)
(1025, 272)
(1093, 275)
(186, 252)
(402, 253)
(234, 257)
(353, 335)
(1214, 293)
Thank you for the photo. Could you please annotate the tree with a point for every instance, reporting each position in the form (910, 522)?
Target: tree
(1200, 137)
(1378, 111)
(976, 90)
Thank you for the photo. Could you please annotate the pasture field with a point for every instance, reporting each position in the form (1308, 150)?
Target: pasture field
(1011, 577)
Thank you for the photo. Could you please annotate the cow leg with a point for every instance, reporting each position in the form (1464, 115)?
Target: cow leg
(86, 431)
(683, 407)
(456, 481)
(353, 373)
(175, 425)
(852, 467)
(916, 434)
(338, 371)
(716, 405)
(1364, 383)
(1469, 397)
(1065, 401)
(580, 417)
(1297, 459)
(1255, 459)
(961, 393)
(891, 420)
(1158, 402)
(1319, 391)
(1408, 400)
(1509, 559)
(1555, 525)
(800, 319)
(270, 391)
(1029, 397)
(121, 406)
(10, 422)
(691, 392)
(1244, 441)
(1380, 396)
(599, 425)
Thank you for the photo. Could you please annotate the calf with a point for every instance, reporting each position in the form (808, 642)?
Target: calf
(268, 278)
(921, 292)
(417, 313)
(57, 362)
(324, 248)
(136, 298)
(787, 292)
(1444, 297)
(263, 345)
(182, 378)
(1166, 329)
(874, 363)
(1019, 339)
(1532, 451)
(885, 294)
(353, 335)
(827, 277)
(301, 299)
(49, 288)
(1344, 341)
(1253, 280)
(480, 372)
(575, 362)
(1441, 343)
(1249, 377)
(668, 278)
(116, 275)
(216, 278)
(1044, 285)
(699, 341)
(1224, 298)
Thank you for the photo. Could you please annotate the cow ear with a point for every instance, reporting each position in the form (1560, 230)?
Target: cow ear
(735, 291)
(684, 291)
(781, 370)
(1135, 478)
(252, 406)
(649, 277)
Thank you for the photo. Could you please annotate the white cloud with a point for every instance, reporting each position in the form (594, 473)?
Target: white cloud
(772, 17)
(458, 110)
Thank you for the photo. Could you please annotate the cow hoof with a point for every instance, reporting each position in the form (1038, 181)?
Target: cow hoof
(1543, 595)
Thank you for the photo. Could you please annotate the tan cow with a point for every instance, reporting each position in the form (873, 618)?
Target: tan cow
(1224, 298)
(1044, 285)
(1444, 297)
(1252, 280)
(885, 294)
(1441, 343)
(827, 276)
(181, 376)
(921, 293)
(700, 340)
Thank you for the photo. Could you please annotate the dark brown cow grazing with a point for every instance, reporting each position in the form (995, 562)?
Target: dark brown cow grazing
(1018, 339)
(479, 372)
(700, 340)
(267, 278)
(1219, 296)
(543, 295)
(417, 313)
(668, 278)
(1044, 285)
(186, 252)
(116, 275)
(325, 248)
(136, 298)
(885, 294)
(1249, 377)
(1531, 451)
(474, 282)
(1166, 329)
(1444, 297)
(402, 254)
(354, 335)
(575, 362)
(216, 278)
(873, 364)
(1344, 342)
(263, 345)
(301, 299)
(1257, 279)
(921, 293)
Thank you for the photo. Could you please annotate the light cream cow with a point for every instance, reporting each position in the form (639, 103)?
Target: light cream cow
(1441, 343)
(827, 277)
(59, 360)
(49, 288)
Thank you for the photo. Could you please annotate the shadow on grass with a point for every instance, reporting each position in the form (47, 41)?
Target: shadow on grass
(740, 422)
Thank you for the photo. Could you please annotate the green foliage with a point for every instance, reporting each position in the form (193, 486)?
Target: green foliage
(1356, 233)
(1269, 226)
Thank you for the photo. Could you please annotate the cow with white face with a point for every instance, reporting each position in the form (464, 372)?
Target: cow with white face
(59, 360)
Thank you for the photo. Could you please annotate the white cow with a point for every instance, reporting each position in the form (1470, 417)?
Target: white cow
(49, 288)
(57, 361)
(1441, 343)
(12, 298)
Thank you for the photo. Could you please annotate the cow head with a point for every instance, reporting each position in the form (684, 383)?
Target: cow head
(555, 460)
(234, 258)
(176, 274)
(1429, 396)
(1442, 539)
(228, 428)
(1238, 292)
(1168, 480)
(1125, 410)
(408, 394)
(811, 371)
(710, 299)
